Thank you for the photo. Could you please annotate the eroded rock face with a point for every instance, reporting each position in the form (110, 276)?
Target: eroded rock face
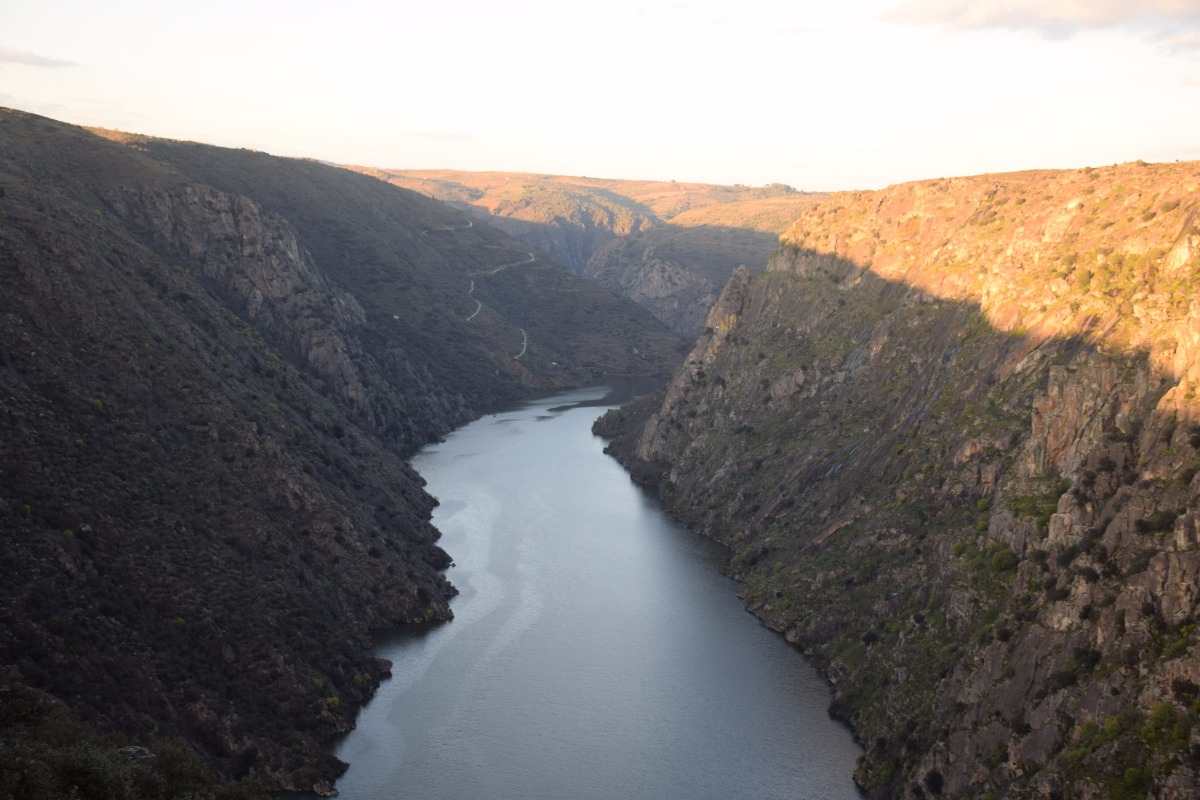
(256, 260)
(950, 436)
(677, 272)
(674, 294)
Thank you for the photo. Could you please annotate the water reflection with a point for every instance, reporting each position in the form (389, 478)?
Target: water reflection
(596, 650)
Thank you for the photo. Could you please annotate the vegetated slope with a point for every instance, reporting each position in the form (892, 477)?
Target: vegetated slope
(420, 270)
(772, 214)
(206, 396)
(49, 754)
(669, 246)
(952, 435)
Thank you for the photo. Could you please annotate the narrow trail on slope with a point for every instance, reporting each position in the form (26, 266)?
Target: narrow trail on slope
(471, 292)
(449, 228)
(478, 304)
(530, 260)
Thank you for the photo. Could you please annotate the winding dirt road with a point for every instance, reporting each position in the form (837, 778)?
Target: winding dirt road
(532, 258)
(478, 305)
(471, 291)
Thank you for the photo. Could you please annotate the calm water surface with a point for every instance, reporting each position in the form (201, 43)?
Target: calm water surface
(596, 650)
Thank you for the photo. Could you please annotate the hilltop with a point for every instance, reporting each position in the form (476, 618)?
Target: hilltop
(952, 436)
(628, 205)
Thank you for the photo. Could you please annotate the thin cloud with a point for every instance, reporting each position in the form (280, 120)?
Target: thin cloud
(1054, 18)
(1183, 42)
(11, 55)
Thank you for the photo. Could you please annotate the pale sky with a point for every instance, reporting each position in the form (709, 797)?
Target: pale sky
(857, 94)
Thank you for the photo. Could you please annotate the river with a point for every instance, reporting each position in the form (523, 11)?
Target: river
(596, 652)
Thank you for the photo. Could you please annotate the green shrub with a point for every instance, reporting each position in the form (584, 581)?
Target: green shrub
(1167, 730)
(1135, 782)
(1004, 560)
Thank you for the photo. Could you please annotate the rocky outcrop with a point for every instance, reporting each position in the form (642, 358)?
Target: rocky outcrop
(255, 260)
(671, 292)
(951, 438)
(676, 272)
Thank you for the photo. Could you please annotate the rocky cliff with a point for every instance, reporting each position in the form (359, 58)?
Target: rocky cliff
(952, 435)
(212, 366)
(676, 273)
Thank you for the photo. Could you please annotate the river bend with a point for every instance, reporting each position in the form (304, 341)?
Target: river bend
(596, 650)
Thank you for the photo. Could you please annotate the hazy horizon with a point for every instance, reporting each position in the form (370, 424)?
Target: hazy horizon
(858, 96)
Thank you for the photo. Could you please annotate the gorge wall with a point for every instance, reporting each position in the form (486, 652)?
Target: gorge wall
(666, 245)
(213, 364)
(952, 437)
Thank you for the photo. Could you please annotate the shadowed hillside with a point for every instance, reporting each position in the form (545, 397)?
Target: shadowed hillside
(212, 365)
(412, 265)
(668, 246)
(952, 436)
(676, 273)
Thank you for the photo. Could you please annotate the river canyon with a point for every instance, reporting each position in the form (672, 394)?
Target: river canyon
(596, 649)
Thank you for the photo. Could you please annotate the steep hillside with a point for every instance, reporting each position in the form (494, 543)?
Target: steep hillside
(668, 246)
(677, 273)
(568, 219)
(952, 435)
(428, 277)
(212, 364)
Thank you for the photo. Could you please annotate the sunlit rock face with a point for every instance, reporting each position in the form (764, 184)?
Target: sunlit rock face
(951, 435)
